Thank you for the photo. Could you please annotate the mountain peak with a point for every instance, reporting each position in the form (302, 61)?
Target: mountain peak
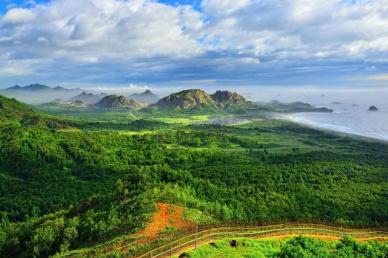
(58, 88)
(88, 98)
(16, 87)
(196, 98)
(118, 102)
(187, 99)
(147, 97)
(226, 98)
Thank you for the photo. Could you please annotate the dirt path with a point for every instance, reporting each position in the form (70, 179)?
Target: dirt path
(168, 216)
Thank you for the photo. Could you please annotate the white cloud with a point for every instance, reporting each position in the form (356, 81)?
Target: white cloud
(300, 28)
(102, 29)
(221, 7)
(139, 39)
(19, 15)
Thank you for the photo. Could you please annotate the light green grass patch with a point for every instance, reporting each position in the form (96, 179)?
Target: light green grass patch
(187, 120)
(137, 132)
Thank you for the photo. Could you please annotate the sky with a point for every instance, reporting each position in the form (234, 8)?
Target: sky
(195, 43)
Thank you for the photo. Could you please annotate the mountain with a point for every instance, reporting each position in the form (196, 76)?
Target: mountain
(228, 98)
(58, 88)
(147, 97)
(38, 93)
(196, 98)
(118, 102)
(88, 98)
(31, 87)
(14, 88)
(186, 100)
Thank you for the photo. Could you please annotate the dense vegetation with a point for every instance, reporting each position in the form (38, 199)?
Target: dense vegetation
(298, 247)
(75, 184)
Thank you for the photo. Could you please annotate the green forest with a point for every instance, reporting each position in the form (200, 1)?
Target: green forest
(68, 183)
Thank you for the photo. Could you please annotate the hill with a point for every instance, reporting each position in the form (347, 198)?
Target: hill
(147, 97)
(11, 109)
(118, 102)
(196, 99)
(88, 98)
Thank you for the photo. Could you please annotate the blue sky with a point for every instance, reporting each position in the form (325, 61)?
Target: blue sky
(215, 43)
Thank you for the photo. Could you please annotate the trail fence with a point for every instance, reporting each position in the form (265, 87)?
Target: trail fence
(167, 245)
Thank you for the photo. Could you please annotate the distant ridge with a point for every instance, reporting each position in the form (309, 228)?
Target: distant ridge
(147, 96)
(39, 93)
(296, 107)
(32, 87)
(88, 98)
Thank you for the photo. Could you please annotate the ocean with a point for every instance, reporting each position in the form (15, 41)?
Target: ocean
(350, 107)
(349, 118)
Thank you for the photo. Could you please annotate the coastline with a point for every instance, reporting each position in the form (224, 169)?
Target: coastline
(327, 129)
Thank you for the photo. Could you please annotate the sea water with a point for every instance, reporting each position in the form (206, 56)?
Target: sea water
(350, 107)
(349, 118)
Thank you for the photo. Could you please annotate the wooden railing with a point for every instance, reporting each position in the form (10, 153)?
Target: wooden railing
(219, 232)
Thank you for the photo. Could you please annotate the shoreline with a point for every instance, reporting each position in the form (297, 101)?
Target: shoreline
(358, 136)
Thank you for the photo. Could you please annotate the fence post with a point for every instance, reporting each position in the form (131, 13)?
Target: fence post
(196, 236)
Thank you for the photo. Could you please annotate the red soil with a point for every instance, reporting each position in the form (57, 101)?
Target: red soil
(167, 216)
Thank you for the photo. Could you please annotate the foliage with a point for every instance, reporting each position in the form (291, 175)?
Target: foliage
(61, 189)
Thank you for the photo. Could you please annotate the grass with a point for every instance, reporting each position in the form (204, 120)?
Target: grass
(246, 248)
(137, 132)
(187, 120)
